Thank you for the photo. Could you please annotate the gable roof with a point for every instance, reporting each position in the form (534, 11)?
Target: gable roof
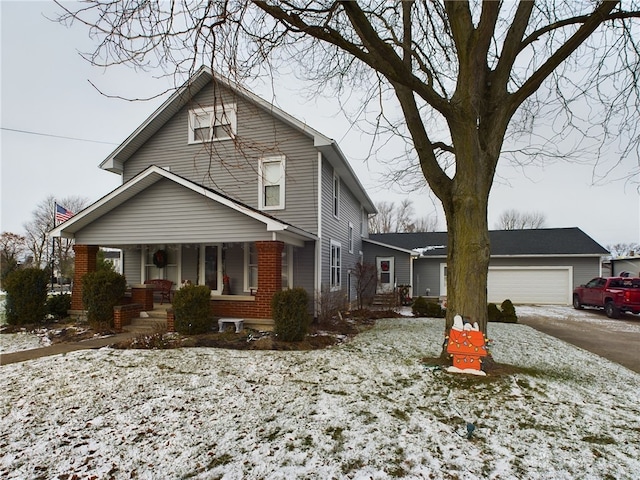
(542, 241)
(152, 175)
(203, 77)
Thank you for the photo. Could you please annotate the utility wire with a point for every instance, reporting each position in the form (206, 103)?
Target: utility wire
(41, 134)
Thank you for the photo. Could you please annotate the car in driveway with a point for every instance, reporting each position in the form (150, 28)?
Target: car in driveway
(614, 294)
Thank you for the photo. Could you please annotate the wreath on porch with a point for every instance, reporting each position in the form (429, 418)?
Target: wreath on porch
(160, 258)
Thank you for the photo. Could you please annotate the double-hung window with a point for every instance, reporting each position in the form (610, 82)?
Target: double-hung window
(336, 260)
(336, 195)
(209, 124)
(251, 267)
(271, 176)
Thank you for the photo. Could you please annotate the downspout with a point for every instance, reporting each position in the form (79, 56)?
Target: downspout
(318, 276)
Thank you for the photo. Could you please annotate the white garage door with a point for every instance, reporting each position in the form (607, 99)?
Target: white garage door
(537, 285)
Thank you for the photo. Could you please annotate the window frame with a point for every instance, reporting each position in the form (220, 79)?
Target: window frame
(335, 269)
(220, 115)
(350, 240)
(248, 246)
(281, 160)
(336, 195)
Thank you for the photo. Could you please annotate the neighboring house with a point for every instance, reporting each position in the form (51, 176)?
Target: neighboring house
(626, 266)
(527, 266)
(222, 184)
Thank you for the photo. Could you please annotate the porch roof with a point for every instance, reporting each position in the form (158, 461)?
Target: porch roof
(149, 177)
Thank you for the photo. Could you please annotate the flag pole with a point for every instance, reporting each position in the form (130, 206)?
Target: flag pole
(53, 243)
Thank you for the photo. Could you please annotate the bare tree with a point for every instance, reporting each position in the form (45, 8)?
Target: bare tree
(624, 249)
(37, 234)
(400, 219)
(515, 220)
(12, 248)
(466, 76)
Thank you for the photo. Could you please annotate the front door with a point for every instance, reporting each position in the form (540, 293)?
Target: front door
(386, 275)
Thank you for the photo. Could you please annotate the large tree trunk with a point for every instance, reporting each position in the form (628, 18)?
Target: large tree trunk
(467, 259)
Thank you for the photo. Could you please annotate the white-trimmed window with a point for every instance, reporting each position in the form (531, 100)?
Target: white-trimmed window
(336, 195)
(336, 261)
(209, 124)
(251, 267)
(287, 270)
(271, 183)
(350, 237)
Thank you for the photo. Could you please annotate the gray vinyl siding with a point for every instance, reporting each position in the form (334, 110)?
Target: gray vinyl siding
(304, 266)
(169, 213)
(337, 229)
(426, 271)
(131, 265)
(231, 167)
(402, 262)
(426, 275)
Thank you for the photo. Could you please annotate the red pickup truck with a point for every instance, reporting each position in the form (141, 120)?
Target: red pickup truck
(614, 294)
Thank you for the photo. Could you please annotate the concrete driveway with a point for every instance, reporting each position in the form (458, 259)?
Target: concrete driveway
(616, 340)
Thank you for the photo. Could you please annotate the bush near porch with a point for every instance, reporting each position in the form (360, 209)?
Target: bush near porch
(192, 309)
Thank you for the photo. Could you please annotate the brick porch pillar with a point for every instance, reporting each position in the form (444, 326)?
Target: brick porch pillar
(269, 274)
(85, 262)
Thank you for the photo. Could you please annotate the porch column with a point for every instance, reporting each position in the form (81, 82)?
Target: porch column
(269, 274)
(85, 262)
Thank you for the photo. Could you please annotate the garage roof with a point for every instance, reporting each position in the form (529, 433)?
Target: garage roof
(542, 241)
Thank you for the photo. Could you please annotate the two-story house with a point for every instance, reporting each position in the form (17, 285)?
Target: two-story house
(219, 184)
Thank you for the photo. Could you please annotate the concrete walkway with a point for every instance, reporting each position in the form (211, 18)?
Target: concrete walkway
(64, 347)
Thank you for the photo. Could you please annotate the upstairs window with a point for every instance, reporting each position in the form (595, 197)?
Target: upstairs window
(336, 195)
(271, 183)
(335, 266)
(350, 237)
(209, 124)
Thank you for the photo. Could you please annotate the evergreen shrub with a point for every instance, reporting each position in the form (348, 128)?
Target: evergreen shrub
(290, 314)
(508, 312)
(192, 309)
(421, 307)
(26, 301)
(101, 291)
(59, 305)
(494, 313)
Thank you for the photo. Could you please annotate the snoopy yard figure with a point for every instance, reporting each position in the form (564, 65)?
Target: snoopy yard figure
(466, 344)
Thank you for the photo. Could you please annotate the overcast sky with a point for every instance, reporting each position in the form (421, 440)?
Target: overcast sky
(56, 129)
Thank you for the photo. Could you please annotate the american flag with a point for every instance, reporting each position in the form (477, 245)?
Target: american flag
(62, 214)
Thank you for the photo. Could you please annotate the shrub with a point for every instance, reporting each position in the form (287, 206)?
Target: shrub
(329, 304)
(290, 314)
(192, 309)
(26, 300)
(508, 312)
(494, 313)
(58, 305)
(421, 307)
(101, 291)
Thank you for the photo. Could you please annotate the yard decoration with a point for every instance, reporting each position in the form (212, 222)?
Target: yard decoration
(466, 344)
(160, 258)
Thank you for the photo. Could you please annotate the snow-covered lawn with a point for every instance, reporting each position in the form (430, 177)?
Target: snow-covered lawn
(364, 409)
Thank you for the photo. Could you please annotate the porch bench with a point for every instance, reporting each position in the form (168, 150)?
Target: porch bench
(163, 287)
(238, 322)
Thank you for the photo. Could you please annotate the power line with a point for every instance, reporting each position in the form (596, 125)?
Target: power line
(41, 134)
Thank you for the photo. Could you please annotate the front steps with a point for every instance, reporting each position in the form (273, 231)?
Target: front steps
(150, 322)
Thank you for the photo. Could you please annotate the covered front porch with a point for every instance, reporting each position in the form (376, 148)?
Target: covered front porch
(242, 276)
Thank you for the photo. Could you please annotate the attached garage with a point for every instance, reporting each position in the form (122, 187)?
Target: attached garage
(539, 266)
(535, 285)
